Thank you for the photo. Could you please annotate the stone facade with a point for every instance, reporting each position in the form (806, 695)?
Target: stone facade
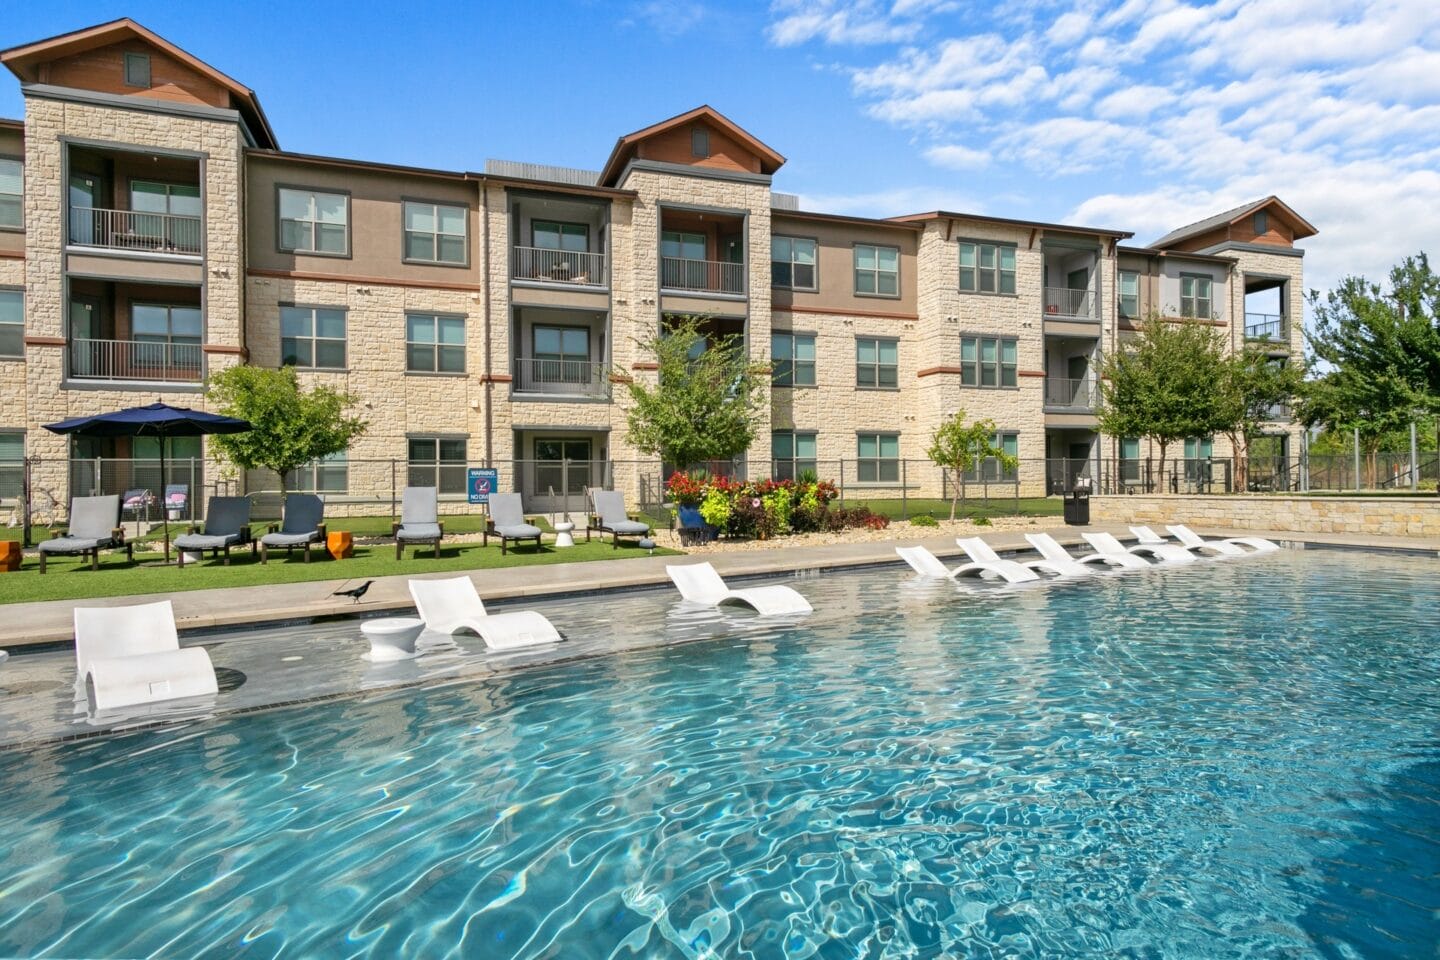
(1379, 516)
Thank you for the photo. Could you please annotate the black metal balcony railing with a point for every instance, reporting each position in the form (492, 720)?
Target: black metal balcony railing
(576, 378)
(707, 276)
(1071, 394)
(135, 360)
(1264, 326)
(577, 267)
(132, 230)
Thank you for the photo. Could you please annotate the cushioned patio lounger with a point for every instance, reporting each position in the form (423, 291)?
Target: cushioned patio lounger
(452, 604)
(301, 527)
(94, 526)
(981, 552)
(1107, 546)
(419, 521)
(699, 583)
(1051, 550)
(1150, 538)
(128, 656)
(1191, 539)
(227, 524)
(507, 521)
(611, 517)
(926, 564)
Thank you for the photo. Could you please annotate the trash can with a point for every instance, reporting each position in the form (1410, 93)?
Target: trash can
(1077, 508)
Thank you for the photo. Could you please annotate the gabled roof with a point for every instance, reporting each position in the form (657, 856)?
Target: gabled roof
(24, 61)
(1303, 228)
(625, 147)
(1040, 224)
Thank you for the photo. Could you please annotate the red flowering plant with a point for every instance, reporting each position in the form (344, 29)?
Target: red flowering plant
(685, 490)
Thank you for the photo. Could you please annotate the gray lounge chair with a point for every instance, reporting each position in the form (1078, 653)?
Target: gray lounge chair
(94, 526)
(507, 521)
(302, 526)
(419, 521)
(227, 524)
(610, 517)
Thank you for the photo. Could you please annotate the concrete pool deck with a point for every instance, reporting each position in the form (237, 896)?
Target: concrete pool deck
(51, 621)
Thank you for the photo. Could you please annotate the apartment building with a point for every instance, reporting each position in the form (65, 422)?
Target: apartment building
(153, 231)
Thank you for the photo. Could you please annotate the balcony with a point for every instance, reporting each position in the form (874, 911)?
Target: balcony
(132, 231)
(702, 276)
(562, 378)
(1265, 326)
(1074, 396)
(163, 361)
(569, 267)
(1062, 303)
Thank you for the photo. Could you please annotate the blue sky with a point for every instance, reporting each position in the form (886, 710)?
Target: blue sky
(1142, 115)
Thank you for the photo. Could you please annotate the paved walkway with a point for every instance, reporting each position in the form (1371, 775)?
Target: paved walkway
(51, 621)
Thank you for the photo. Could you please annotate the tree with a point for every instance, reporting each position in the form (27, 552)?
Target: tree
(706, 402)
(1382, 352)
(289, 426)
(957, 447)
(1252, 384)
(1162, 384)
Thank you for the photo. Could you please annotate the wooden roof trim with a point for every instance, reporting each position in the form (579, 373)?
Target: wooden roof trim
(843, 218)
(1306, 226)
(768, 155)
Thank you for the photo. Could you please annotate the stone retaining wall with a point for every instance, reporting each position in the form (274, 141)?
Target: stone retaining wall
(1382, 516)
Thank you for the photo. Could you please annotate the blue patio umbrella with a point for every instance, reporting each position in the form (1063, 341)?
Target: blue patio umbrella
(154, 420)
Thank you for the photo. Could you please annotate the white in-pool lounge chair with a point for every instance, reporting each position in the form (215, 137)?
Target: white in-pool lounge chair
(452, 604)
(982, 553)
(926, 564)
(1051, 550)
(1149, 537)
(1106, 545)
(699, 583)
(1191, 539)
(127, 656)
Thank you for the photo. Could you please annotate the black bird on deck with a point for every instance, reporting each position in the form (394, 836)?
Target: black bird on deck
(354, 593)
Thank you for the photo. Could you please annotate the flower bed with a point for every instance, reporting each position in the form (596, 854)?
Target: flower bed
(768, 508)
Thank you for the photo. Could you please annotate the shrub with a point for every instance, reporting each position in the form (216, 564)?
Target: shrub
(924, 520)
(981, 521)
(716, 508)
(875, 521)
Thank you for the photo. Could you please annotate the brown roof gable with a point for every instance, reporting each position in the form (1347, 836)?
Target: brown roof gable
(26, 62)
(1303, 228)
(761, 157)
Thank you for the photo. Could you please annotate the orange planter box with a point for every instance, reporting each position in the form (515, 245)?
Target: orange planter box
(9, 556)
(340, 544)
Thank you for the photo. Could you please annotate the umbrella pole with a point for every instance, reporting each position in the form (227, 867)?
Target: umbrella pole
(164, 504)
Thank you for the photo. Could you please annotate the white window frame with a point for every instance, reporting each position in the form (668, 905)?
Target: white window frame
(314, 339)
(12, 201)
(877, 465)
(434, 342)
(312, 220)
(1190, 305)
(788, 263)
(795, 372)
(877, 366)
(1004, 374)
(437, 234)
(987, 273)
(16, 295)
(446, 476)
(1132, 276)
(875, 273)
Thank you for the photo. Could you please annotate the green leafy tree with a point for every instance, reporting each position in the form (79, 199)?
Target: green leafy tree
(957, 446)
(1162, 384)
(1251, 385)
(289, 426)
(706, 402)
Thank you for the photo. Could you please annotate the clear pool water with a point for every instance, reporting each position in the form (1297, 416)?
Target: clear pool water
(1235, 759)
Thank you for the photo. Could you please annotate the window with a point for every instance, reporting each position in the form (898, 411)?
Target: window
(1198, 452)
(988, 362)
(137, 70)
(1130, 460)
(877, 363)
(1260, 223)
(987, 267)
(12, 323)
(12, 464)
(879, 455)
(1195, 296)
(327, 475)
(314, 222)
(550, 468)
(312, 337)
(12, 189)
(877, 270)
(560, 354)
(165, 323)
(792, 358)
(434, 232)
(791, 454)
(685, 246)
(792, 263)
(699, 142)
(550, 235)
(181, 199)
(438, 462)
(988, 469)
(1129, 294)
(434, 343)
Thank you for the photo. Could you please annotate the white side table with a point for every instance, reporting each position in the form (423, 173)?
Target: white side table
(392, 638)
(562, 534)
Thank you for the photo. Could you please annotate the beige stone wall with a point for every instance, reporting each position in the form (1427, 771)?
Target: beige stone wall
(1380, 516)
(14, 414)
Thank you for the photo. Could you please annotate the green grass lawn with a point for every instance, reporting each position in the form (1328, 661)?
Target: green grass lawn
(68, 579)
(969, 508)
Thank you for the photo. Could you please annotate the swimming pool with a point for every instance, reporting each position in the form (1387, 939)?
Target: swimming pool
(1235, 758)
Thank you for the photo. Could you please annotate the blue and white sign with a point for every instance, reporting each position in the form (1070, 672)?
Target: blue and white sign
(480, 482)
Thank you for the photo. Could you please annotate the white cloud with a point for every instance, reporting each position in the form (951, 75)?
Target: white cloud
(853, 22)
(953, 156)
(1135, 102)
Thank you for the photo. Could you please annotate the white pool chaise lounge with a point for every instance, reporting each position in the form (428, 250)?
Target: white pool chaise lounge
(699, 583)
(1106, 545)
(128, 656)
(983, 554)
(926, 564)
(1150, 538)
(1052, 551)
(453, 604)
(1189, 538)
